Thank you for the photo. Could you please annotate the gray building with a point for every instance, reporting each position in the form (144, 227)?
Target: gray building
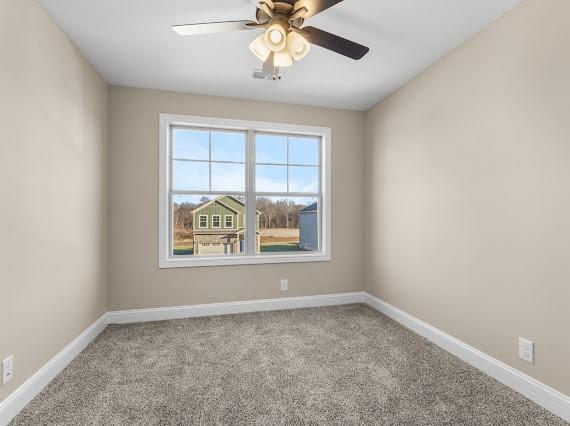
(309, 228)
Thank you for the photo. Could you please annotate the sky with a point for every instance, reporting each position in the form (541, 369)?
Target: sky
(191, 144)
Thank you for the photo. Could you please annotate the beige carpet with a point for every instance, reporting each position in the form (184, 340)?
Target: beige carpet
(332, 366)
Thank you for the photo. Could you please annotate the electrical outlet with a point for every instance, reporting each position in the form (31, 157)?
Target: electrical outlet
(284, 285)
(7, 369)
(526, 350)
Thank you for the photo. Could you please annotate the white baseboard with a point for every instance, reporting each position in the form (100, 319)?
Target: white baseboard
(534, 390)
(12, 405)
(191, 311)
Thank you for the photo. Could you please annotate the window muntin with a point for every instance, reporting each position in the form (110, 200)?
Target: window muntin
(287, 164)
(207, 180)
(208, 160)
(294, 170)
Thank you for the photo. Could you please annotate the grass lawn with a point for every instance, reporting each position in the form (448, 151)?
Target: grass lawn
(183, 250)
(280, 247)
(276, 247)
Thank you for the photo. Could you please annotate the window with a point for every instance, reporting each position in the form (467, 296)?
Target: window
(269, 183)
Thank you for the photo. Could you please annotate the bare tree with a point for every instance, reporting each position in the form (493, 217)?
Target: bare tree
(278, 214)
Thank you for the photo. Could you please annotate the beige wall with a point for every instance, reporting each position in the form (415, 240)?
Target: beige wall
(134, 278)
(53, 155)
(466, 212)
(468, 192)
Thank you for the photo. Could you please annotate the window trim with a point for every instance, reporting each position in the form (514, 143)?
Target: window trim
(219, 216)
(231, 216)
(200, 221)
(251, 127)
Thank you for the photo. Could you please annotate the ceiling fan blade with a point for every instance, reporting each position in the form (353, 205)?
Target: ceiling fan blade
(214, 27)
(333, 42)
(314, 6)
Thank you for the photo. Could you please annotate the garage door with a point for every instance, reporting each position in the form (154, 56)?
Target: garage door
(211, 248)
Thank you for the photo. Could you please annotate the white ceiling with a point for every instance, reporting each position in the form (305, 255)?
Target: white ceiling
(131, 44)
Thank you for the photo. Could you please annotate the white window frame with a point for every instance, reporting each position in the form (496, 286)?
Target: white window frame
(200, 221)
(231, 216)
(167, 260)
(219, 216)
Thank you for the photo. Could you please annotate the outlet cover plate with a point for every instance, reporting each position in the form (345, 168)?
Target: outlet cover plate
(7, 369)
(526, 350)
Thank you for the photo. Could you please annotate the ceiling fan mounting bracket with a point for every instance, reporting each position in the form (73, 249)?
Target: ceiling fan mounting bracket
(281, 13)
(283, 8)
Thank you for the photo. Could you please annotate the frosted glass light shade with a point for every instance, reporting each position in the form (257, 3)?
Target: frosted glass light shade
(275, 37)
(259, 48)
(283, 58)
(298, 45)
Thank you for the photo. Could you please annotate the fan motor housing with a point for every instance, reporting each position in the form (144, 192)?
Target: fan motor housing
(282, 12)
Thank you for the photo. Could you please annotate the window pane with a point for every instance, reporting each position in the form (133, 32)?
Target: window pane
(304, 151)
(228, 177)
(271, 178)
(271, 149)
(228, 146)
(303, 179)
(190, 176)
(288, 224)
(188, 144)
(195, 220)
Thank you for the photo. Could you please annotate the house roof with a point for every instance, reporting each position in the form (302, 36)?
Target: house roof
(219, 200)
(309, 209)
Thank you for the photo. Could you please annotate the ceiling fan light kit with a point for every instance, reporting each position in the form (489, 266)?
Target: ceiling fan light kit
(282, 58)
(298, 45)
(284, 39)
(259, 48)
(275, 37)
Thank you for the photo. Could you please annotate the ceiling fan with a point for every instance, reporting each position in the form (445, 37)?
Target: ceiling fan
(284, 40)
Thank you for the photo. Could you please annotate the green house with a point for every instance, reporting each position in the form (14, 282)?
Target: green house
(219, 225)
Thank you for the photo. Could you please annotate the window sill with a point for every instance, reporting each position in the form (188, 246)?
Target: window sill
(185, 262)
